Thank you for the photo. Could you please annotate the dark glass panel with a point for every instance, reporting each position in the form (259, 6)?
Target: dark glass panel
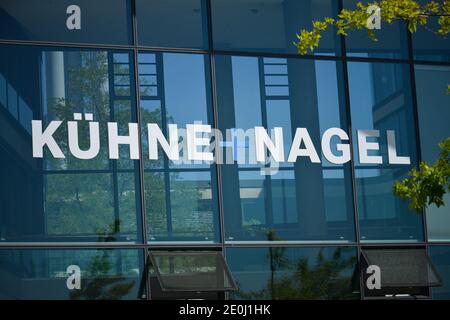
(40, 274)
(101, 21)
(440, 255)
(392, 41)
(181, 195)
(380, 99)
(270, 25)
(299, 201)
(172, 23)
(68, 199)
(294, 273)
(434, 114)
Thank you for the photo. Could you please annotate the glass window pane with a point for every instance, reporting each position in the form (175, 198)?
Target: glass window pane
(434, 114)
(271, 25)
(274, 202)
(48, 199)
(101, 21)
(427, 44)
(380, 99)
(440, 255)
(392, 39)
(106, 274)
(181, 85)
(172, 23)
(181, 206)
(294, 273)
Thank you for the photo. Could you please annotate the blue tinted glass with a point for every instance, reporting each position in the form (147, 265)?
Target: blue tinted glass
(172, 23)
(294, 273)
(392, 39)
(428, 45)
(181, 197)
(37, 274)
(434, 114)
(181, 206)
(101, 21)
(65, 199)
(380, 99)
(440, 255)
(279, 202)
(271, 25)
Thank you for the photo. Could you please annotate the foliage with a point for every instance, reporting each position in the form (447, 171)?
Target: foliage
(83, 204)
(99, 283)
(409, 11)
(322, 278)
(429, 184)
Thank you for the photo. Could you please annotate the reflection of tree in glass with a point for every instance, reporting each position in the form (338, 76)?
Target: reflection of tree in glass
(292, 278)
(185, 195)
(191, 215)
(80, 203)
(97, 281)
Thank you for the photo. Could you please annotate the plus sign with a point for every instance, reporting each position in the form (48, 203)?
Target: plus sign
(234, 143)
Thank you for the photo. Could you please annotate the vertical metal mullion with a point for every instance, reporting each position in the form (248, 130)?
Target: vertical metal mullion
(113, 163)
(159, 63)
(141, 162)
(352, 161)
(412, 75)
(212, 63)
(267, 178)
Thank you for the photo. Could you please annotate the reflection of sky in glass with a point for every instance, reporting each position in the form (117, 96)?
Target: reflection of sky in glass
(328, 107)
(185, 87)
(246, 91)
(361, 94)
(247, 96)
(327, 95)
(362, 99)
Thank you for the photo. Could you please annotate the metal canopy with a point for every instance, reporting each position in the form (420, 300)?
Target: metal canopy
(191, 271)
(403, 267)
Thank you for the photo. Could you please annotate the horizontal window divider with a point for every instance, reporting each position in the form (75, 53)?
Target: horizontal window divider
(88, 171)
(208, 246)
(287, 168)
(432, 63)
(306, 244)
(75, 45)
(69, 245)
(391, 243)
(180, 170)
(436, 243)
(170, 49)
(275, 55)
(374, 59)
(294, 243)
(183, 244)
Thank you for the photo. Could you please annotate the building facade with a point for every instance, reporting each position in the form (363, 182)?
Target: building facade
(126, 228)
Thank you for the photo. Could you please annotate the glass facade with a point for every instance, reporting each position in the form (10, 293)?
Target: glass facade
(286, 230)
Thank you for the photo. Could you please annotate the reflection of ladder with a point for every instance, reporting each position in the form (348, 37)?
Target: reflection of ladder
(274, 86)
(275, 79)
(152, 98)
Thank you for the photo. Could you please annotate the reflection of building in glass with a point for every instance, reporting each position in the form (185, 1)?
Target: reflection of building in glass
(302, 231)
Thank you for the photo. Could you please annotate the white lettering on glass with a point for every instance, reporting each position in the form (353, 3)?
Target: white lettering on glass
(201, 144)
